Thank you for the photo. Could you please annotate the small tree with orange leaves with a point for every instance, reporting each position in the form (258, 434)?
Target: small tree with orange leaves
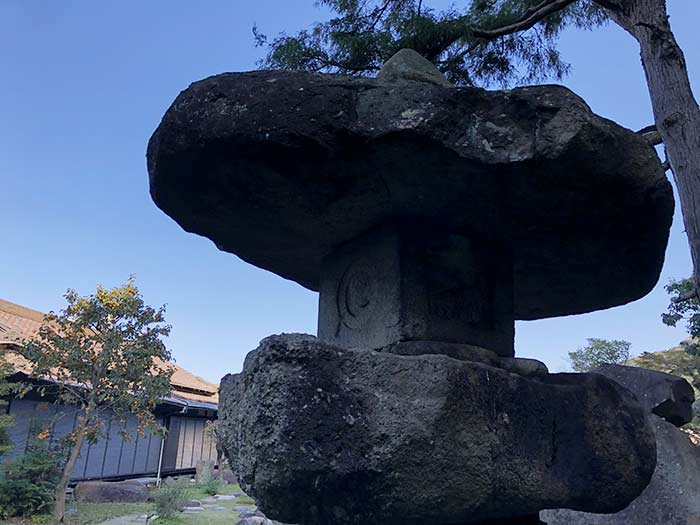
(103, 353)
(6, 421)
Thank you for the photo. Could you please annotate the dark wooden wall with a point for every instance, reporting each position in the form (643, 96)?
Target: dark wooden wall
(111, 457)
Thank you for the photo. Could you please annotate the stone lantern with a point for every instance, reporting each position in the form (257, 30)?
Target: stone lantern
(429, 218)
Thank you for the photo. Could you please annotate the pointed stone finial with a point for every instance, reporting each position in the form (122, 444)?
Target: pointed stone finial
(408, 65)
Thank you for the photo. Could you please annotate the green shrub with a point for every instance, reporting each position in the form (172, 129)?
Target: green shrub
(40, 466)
(209, 483)
(28, 485)
(170, 498)
(211, 486)
(23, 498)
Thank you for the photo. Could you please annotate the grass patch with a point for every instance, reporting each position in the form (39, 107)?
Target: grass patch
(230, 489)
(245, 500)
(90, 513)
(197, 492)
(94, 513)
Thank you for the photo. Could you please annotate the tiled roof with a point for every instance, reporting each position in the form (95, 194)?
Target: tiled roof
(18, 323)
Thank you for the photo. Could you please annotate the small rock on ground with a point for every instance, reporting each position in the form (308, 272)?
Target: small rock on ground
(245, 509)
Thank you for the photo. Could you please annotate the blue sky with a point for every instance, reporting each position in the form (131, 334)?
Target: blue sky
(85, 84)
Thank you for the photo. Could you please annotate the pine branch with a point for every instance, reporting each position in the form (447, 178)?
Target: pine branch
(527, 21)
(534, 9)
(379, 14)
(328, 62)
(375, 33)
(450, 31)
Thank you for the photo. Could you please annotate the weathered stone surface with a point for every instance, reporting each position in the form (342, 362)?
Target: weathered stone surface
(462, 352)
(324, 435)
(111, 491)
(409, 66)
(671, 498)
(281, 168)
(399, 283)
(255, 517)
(666, 395)
(257, 520)
(673, 495)
(517, 365)
(523, 366)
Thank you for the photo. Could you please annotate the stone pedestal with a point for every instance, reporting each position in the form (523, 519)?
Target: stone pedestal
(407, 282)
(322, 435)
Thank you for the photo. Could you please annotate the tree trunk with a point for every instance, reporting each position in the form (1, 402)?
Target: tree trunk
(676, 111)
(60, 495)
(220, 463)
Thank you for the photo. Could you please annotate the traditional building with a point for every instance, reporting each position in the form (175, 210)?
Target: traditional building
(185, 412)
